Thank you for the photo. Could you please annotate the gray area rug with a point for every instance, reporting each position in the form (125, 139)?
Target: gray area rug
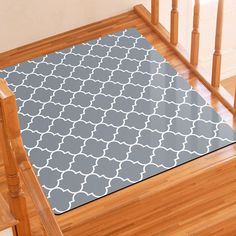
(103, 115)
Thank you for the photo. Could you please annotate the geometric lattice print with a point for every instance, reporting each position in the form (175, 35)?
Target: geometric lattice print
(103, 115)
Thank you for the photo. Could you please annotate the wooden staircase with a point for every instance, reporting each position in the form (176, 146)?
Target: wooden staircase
(198, 198)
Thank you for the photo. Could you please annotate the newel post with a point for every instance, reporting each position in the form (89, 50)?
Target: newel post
(216, 66)
(9, 131)
(174, 25)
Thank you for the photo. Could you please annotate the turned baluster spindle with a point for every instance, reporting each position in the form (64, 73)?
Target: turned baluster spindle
(235, 101)
(195, 34)
(155, 12)
(174, 27)
(216, 65)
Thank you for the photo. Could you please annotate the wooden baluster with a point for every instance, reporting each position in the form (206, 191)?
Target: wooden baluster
(216, 66)
(155, 12)
(195, 35)
(17, 200)
(235, 102)
(174, 27)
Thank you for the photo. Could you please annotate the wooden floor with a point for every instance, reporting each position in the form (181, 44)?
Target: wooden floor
(198, 198)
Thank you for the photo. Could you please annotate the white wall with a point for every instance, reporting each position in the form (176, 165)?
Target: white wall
(6, 232)
(26, 21)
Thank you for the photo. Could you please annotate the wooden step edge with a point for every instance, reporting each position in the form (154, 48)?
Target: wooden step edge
(6, 218)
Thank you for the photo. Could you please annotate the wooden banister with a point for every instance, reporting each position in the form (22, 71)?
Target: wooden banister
(195, 34)
(174, 25)
(220, 92)
(16, 196)
(155, 12)
(216, 66)
(16, 162)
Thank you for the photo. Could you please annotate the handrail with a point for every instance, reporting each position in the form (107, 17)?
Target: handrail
(211, 82)
(16, 162)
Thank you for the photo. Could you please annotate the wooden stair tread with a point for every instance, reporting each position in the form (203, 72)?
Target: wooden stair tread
(6, 218)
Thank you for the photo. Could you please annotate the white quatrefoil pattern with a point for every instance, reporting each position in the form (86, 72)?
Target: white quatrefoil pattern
(108, 113)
